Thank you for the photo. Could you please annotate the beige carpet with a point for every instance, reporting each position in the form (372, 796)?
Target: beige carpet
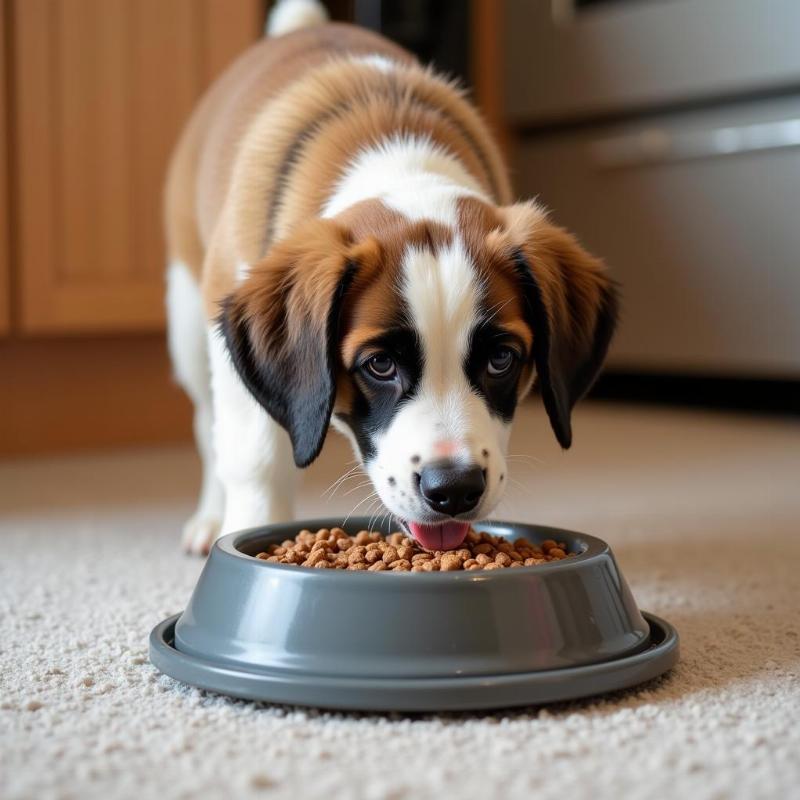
(702, 511)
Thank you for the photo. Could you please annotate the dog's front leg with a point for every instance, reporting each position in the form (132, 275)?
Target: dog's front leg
(253, 453)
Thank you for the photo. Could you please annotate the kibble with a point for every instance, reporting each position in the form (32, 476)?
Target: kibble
(369, 550)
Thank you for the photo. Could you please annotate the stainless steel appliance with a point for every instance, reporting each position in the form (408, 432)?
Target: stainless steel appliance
(666, 133)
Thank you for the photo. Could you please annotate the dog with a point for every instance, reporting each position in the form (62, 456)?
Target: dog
(344, 250)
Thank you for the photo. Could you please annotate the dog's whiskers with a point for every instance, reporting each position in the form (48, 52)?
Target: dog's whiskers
(524, 457)
(373, 517)
(338, 482)
(356, 488)
(350, 473)
(385, 519)
(516, 490)
(514, 483)
(372, 496)
(373, 511)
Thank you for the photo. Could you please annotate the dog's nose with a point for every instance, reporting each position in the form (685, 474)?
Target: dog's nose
(452, 489)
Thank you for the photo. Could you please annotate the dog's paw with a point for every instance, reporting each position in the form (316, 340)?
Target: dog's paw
(199, 533)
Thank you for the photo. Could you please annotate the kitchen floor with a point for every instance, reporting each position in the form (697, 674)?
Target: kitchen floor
(702, 510)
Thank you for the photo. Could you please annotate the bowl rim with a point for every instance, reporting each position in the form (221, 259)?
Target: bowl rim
(228, 546)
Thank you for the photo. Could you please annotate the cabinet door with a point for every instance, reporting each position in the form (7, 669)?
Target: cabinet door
(102, 88)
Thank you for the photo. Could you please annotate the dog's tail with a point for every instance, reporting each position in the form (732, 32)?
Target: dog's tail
(291, 15)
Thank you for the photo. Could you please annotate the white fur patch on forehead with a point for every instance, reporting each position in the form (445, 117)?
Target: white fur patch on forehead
(442, 294)
(412, 175)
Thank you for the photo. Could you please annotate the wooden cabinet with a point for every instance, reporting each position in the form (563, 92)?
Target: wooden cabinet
(101, 89)
(93, 94)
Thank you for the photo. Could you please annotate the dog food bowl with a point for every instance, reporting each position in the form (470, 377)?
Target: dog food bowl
(382, 641)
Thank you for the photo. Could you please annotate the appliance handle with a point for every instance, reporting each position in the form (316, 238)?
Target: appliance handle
(663, 146)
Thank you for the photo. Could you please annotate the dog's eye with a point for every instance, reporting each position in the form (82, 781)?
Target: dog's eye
(382, 367)
(500, 361)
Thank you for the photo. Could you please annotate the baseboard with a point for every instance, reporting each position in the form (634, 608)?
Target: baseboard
(86, 393)
(761, 395)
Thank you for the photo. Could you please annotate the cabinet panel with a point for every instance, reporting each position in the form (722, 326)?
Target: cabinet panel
(102, 88)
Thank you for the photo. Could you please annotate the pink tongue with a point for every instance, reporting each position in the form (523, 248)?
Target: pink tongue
(446, 536)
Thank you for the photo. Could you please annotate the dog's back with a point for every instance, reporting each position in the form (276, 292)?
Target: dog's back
(269, 140)
(200, 169)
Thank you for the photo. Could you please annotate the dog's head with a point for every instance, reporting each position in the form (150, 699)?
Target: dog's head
(418, 340)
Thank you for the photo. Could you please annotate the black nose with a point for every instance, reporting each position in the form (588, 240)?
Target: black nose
(451, 489)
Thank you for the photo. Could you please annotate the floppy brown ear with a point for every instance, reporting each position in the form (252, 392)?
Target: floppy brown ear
(281, 326)
(572, 307)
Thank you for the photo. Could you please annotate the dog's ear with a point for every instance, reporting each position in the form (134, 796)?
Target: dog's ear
(281, 326)
(571, 304)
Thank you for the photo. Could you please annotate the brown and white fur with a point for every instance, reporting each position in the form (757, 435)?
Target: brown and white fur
(333, 208)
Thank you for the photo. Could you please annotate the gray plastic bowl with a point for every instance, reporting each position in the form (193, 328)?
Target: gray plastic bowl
(412, 641)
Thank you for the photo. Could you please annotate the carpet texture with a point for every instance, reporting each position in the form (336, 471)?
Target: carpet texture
(701, 510)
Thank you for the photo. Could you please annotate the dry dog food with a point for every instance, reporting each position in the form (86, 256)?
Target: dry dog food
(368, 550)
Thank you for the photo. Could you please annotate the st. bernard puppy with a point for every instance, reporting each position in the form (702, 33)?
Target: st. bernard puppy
(344, 249)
